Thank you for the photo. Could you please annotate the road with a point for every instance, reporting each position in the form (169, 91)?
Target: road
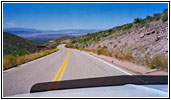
(65, 64)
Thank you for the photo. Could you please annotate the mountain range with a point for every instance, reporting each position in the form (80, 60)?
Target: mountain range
(47, 35)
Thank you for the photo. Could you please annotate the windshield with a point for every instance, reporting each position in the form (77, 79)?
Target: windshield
(65, 46)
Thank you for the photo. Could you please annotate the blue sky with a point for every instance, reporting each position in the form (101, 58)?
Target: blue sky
(57, 16)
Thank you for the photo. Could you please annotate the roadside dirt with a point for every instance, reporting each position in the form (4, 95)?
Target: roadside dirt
(142, 70)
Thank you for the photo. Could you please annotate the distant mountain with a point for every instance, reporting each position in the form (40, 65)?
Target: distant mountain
(46, 35)
(20, 30)
(13, 43)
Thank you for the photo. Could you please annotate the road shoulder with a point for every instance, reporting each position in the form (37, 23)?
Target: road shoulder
(142, 70)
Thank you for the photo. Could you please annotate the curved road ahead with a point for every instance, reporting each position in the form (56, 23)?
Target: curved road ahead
(65, 64)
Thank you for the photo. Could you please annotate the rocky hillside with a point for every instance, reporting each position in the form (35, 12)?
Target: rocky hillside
(145, 41)
(62, 40)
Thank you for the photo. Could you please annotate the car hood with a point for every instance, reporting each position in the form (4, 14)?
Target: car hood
(128, 90)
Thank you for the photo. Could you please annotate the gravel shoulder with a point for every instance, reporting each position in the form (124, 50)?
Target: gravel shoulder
(142, 70)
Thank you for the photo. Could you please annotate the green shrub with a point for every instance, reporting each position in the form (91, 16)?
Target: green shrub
(142, 23)
(99, 46)
(116, 53)
(165, 10)
(152, 66)
(129, 26)
(158, 61)
(149, 18)
(100, 51)
(16, 54)
(104, 47)
(164, 62)
(165, 17)
(74, 41)
(137, 20)
(156, 17)
(127, 55)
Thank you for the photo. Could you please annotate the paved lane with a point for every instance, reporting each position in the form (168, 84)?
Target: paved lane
(76, 65)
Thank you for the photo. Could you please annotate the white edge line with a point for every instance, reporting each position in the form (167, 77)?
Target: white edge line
(107, 63)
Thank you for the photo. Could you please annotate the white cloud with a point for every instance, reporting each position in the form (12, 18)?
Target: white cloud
(10, 24)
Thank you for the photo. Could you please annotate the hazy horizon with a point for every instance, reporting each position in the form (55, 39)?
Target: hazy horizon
(48, 29)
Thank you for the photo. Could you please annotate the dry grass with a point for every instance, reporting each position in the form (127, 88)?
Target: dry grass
(157, 61)
(88, 50)
(164, 62)
(116, 53)
(127, 55)
(10, 61)
(101, 51)
(122, 54)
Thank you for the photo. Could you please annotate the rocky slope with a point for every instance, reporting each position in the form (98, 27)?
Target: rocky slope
(145, 41)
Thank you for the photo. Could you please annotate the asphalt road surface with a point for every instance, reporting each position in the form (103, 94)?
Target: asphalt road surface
(65, 64)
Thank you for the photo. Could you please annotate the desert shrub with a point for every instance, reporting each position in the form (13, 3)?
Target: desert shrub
(129, 26)
(154, 62)
(88, 50)
(142, 23)
(109, 53)
(149, 18)
(152, 66)
(165, 17)
(158, 61)
(137, 20)
(99, 46)
(70, 46)
(74, 41)
(122, 54)
(104, 51)
(104, 47)
(147, 59)
(16, 54)
(100, 51)
(116, 53)
(164, 62)
(156, 17)
(127, 55)
(93, 50)
(165, 10)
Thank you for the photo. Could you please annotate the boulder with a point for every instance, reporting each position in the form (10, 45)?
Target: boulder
(153, 32)
(148, 33)
(142, 35)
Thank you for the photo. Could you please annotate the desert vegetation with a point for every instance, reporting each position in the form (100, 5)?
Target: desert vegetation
(158, 61)
(15, 59)
(62, 40)
(143, 41)
(16, 44)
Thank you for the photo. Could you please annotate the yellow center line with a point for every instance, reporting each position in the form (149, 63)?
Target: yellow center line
(63, 65)
(60, 77)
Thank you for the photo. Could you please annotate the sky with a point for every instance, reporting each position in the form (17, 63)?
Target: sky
(58, 16)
